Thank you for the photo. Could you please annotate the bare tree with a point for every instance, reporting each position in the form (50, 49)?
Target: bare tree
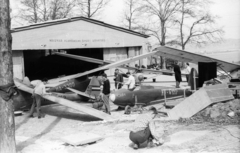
(162, 12)
(131, 14)
(92, 8)
(195, 24)
(34, 11)
(7, 125)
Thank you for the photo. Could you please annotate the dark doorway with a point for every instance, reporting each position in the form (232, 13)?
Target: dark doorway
(39, 66)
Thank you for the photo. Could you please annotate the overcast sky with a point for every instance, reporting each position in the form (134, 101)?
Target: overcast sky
(227, 10)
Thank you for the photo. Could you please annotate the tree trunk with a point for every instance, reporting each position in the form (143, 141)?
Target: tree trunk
(7, 125)
(163, 38)
(89, 9)
(183, 63)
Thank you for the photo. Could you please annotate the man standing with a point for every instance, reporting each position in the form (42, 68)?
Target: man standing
(130, 82)
(178, 75)
(38, 91)
(118, 79)
(188, 68)
(105, 92)
(144, 129)
(106, 85)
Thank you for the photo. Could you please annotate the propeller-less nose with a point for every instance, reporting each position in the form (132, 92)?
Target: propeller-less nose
(112, 97)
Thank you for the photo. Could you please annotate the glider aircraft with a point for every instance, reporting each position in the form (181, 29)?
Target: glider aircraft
(121, 97)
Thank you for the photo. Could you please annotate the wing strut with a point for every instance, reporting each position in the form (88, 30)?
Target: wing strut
(224, 70)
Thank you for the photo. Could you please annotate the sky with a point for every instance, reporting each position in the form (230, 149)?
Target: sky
(227, 10)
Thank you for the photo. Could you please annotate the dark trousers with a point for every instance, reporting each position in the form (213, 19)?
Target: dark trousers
(140, 136)
(118, 85)
(36, 103)
(187, 77)
(105, 99)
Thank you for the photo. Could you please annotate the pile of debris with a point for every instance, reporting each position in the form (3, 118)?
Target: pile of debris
(225, 112)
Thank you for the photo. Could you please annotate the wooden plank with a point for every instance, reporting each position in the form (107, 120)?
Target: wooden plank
(81, 93)
(200, 100)
(191, 105)
(219, 92)
(68, 103)
(109, 66)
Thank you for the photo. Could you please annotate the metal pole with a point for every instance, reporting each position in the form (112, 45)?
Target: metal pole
(184, 93)
(194, 81)
(165, 97)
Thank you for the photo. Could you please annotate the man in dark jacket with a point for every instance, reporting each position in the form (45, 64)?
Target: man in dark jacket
(106, 85)
(178, 75)
(118, 79)
(105, 93)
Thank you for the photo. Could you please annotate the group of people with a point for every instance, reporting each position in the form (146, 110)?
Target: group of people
(178, 75)
(39, 90)
(119, 80)
(39, 87)
(143, 129)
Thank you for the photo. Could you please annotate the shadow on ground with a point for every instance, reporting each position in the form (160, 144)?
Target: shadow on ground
(68, 113)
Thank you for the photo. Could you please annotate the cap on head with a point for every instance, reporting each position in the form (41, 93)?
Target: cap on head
(187, 64)
(116, 70)
(104, 75)
(128, 73)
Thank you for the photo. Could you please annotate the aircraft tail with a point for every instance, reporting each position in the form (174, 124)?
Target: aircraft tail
(93, 88)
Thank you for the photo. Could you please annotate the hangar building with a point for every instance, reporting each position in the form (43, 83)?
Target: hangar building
(33, 46)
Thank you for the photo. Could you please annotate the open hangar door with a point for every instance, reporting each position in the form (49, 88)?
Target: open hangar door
(41, 64)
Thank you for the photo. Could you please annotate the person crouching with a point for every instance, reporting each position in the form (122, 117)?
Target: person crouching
(144, 129)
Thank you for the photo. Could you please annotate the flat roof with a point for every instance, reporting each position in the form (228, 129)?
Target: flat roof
(66, 20)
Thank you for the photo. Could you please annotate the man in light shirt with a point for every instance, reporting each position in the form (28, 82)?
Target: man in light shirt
(130, 82)
(38, 91)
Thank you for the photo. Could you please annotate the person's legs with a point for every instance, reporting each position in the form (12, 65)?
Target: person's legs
(119, 85)
(105, 100)
(149, 137)
(32, 107)
(177, 84)
(139, 137)
(187, 77)
(38, 101)
(134, 138)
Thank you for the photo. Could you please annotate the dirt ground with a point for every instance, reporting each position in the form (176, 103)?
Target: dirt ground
(45, 135)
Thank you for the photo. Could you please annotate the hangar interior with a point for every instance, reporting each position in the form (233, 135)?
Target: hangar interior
(33, 46)
(41, 64)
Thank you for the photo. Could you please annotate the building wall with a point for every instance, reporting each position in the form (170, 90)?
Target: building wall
(71, 35)
(114, 54)
(117, 54)
(18, 64)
